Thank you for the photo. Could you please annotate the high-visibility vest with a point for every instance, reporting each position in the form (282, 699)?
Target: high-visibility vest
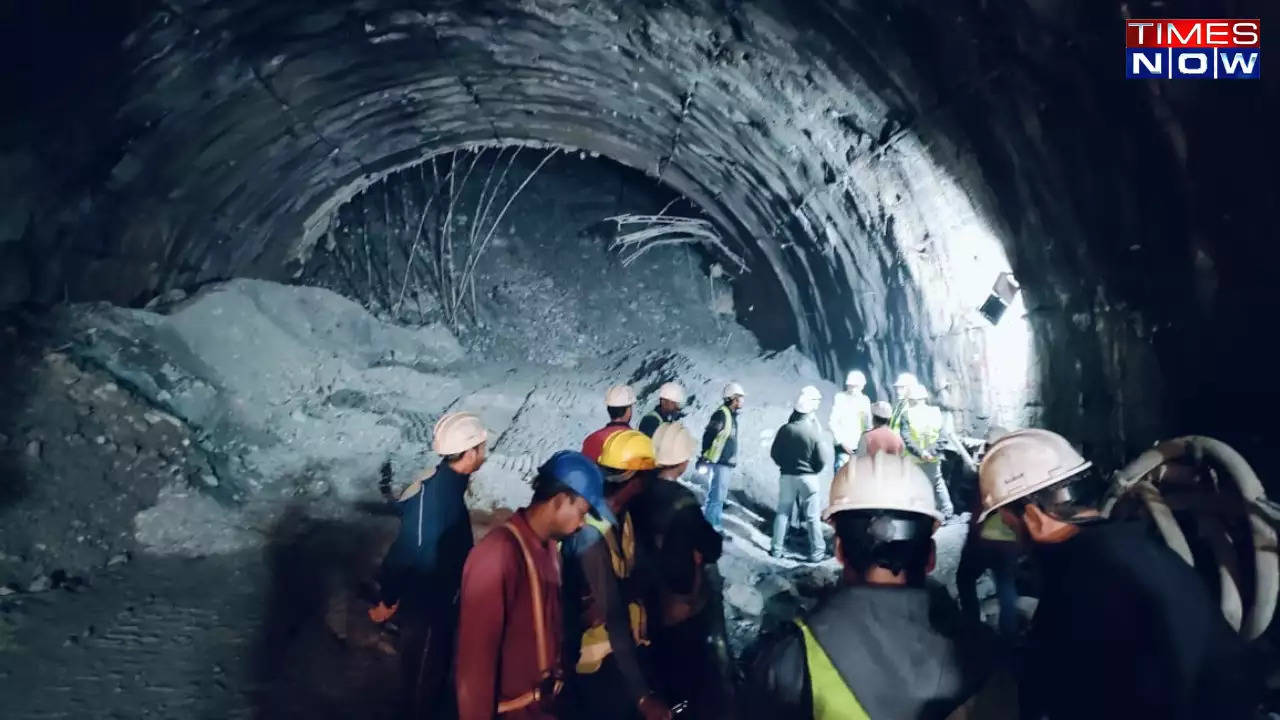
(895, 420)
(595, 645)
(832, 698)
(714, 453)
(924, 425)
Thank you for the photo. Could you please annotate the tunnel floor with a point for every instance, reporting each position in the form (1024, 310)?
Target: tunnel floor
(272, 633)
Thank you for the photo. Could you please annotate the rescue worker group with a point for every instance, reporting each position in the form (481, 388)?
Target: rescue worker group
(601, 597)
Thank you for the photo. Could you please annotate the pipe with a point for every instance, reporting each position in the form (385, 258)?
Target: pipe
(1233, 466)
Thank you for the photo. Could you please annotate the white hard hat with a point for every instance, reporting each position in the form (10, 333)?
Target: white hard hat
(1023, 462)
(458, 432)
(856, 378)
(620, 396)
(882, 410)
(672, 444)
(917, 392)
(809, 400)
(905, 380)
(673, 392)
(882, 482)
(733, 390)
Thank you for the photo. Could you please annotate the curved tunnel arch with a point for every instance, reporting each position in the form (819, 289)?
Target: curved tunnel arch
(860, 153)
(778, 156)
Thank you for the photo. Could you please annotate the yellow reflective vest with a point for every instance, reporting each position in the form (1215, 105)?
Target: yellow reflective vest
(924, 425)
(595, 645)
(832, 698)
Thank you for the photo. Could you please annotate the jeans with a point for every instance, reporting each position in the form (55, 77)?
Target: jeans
(934, 471)
(842, 457)
(802, 490)
(1002, 559)
(714, 507)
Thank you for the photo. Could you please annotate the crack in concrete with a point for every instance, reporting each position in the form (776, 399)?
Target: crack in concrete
(686, 107)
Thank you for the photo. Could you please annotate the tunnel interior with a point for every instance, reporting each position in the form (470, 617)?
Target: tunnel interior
(297, 232)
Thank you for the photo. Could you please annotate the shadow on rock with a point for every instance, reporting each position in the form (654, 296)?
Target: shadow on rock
(318, 654)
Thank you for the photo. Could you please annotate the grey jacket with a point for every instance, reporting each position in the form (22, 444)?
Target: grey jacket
(800, 448)
(903, 652)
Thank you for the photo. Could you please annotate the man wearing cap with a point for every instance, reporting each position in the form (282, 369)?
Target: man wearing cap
(850, 417)
(620, 401)
(720, 451)
(1125, 628)
(691, 656)
(800, 451)
(422, 570)
(881, 438)
(511, 626)
(606, 585)
(884, 645)
(671, 400)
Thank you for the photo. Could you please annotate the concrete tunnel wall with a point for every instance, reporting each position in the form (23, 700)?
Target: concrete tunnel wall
(873, 161)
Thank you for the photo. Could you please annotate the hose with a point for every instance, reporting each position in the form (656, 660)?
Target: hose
(1233, 466)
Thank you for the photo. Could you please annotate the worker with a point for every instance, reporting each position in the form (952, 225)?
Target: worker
(884, 645)
(1124, 627)
(605, 591)
(423, 568)
(901, 388)
(921, 428)
(619, 401)
(690, 652)
(799, 451)
(880, 438)
(720, 451)
(671, 399)
(850, 417)
(510, 627)
(989, 545)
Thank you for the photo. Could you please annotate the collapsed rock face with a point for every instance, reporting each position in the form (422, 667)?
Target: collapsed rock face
(860, 156)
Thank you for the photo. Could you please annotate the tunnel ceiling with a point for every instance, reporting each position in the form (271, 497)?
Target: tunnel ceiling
(850, 148)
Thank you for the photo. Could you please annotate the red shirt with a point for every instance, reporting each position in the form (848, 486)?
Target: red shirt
(594, 444)
(497, 656)
(881, 439)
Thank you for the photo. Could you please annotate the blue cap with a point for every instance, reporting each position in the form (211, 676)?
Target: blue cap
(581, 475)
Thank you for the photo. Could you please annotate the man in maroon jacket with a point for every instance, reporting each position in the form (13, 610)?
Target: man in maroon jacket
(510, 626)
(620, 401)
(880, 438)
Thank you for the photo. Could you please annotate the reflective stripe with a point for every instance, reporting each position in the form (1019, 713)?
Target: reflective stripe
(595, 645)
(714, 452)
(544, 651)
(895, 422)
(924, 425)
(832, 698)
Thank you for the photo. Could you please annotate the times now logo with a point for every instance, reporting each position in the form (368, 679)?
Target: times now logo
(1209, 49)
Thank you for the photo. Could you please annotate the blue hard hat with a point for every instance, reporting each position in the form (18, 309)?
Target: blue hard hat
(581, 475)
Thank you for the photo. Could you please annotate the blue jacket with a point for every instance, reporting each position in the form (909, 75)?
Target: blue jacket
(435, 537)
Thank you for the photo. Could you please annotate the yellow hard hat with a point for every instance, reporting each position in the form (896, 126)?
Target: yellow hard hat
(628, 450)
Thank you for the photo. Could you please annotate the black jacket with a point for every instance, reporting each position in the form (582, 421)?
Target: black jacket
(800, 448)
(729, 454)
(654, 419)
(903, 652)
(1126, 629)
(670, 524)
